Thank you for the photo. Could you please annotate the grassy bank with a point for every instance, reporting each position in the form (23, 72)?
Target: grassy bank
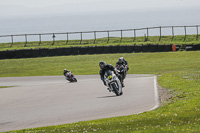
(141, 63)
(180, 75)
(178, 40)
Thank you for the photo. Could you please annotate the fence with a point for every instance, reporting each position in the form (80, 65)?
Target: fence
(161, 31)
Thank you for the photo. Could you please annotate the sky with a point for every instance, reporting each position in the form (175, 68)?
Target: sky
(39, 8)
(47, 16)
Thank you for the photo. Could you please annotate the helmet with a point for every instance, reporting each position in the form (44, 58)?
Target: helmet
(121, 59)
(65, 70)
(102, 64)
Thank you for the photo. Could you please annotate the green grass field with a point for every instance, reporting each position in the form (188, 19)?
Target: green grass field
(179, 73)
(167, 40)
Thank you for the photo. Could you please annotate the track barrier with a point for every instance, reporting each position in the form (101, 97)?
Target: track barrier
(32, 53)
(173, 47)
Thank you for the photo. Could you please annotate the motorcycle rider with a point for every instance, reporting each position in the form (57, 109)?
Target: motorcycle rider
(65, 73)
(69, 76)
(122, 61)
(103, 67)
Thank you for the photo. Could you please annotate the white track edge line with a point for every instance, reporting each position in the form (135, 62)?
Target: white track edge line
(157, 100)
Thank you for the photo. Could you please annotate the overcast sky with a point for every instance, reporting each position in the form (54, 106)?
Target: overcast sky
(36, 8)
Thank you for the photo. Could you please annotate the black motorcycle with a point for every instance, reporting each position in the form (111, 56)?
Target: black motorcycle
(122, 70)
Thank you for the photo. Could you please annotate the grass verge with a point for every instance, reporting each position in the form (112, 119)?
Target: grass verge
(167, 40)
(180, 75)
(6, 86)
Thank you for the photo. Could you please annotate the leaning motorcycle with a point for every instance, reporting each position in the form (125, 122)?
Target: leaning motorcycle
(121, 69)
(70, 77)
(113, 82)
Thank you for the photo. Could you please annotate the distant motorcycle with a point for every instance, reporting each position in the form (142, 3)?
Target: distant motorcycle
(113, 82)
(70, 77)
(122, 70)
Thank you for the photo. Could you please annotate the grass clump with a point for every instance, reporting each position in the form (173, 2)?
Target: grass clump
(6, 86)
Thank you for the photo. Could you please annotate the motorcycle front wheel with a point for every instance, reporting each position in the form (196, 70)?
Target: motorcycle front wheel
(116, 91)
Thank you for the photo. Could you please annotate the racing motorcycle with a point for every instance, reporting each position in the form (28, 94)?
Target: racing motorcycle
(113, 82)
(121, 69)
(70, 77)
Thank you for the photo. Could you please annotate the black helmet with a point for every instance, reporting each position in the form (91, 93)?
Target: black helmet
(102, 64)
(65, 70)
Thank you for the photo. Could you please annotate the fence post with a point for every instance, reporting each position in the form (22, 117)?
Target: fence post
(121, 36)
(40, 40)
(81, 38)
(11, 40)
(108, 37)
(67, 38)
(134, 35)
(145, 38)
(147, 34)
(25, 40)
(185, 33)
(53, 38)
(197, 32)
(172, 33)
(94, 37)
(160, 34)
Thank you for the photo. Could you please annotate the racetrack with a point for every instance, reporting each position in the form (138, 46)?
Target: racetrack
(51, 100)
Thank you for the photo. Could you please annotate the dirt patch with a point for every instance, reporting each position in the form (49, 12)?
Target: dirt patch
(164, 95)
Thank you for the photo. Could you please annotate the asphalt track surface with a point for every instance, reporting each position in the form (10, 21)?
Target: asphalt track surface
(51, 100)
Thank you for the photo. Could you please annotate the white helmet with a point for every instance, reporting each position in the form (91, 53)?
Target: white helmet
(121, 59)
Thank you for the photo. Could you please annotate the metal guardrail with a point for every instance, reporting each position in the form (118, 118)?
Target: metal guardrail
(146, 35)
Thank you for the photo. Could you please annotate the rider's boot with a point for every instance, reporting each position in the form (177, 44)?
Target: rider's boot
(122, 82)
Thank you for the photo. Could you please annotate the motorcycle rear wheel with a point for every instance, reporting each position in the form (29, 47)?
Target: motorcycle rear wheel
(75, 80)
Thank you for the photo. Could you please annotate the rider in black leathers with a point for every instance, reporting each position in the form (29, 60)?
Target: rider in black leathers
(103, 67)
(122, 61)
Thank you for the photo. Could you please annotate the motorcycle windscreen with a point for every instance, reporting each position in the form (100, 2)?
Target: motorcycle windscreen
(108, 74)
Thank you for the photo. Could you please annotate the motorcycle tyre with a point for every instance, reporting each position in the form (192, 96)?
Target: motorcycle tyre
(75, 80)
(116, 92)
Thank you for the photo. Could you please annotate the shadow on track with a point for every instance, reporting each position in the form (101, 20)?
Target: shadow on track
(107, 96)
